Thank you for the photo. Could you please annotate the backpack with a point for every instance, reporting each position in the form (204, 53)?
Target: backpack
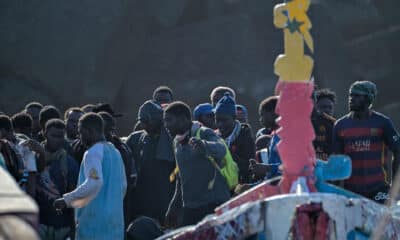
(228, 169)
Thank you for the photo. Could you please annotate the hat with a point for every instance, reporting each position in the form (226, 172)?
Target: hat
(366, 88)
(106, 107)
(241, 108)
(202, 109)
(226, 105)
(150, 110)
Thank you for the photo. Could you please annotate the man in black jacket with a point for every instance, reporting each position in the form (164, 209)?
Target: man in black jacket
(154, 158)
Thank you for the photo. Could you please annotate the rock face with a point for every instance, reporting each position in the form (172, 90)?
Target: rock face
(75, 52)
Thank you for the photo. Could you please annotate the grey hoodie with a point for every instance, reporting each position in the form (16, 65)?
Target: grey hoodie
(196, 171)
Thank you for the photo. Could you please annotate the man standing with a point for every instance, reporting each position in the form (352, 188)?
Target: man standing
(102, 184)
(323, 121)
(33, 109)
(22, 124)
(325, 100)
(155, 161)
(364, 135)
(47, 113)
(163, 95)
(268, 116)
(71, 118)
(242, 114)
(58, 177)
(238, 136)
(19, 156)
(201, 187)
(218, 92)
(205, 115)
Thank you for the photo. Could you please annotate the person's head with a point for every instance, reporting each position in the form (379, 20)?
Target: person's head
(150, 116)
(5, 127)
(54, 133)
(22, 123)
(362, 95)
(47, 113)
(325, 100)
(177, 118)
(218, 92)
(71, 118)
(267, 112)
(225, 115)
(241, 113)
(91, 129)
(204, 114)
(88, 108)
(33, 109)
(262, 142)
(163, 95)
(109, 124)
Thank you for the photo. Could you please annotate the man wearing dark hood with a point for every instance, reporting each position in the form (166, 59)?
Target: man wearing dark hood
(154, 159)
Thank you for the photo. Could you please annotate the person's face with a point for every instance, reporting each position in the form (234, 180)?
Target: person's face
(357, 102)
(163, 97)
(151, 126)
(72, 124)
(54, 138)
(268, 119)
(225, 123)
(174, 124)
(85, 135)
(34, 113)
(241, 116)
(208, 120)
(325, 105)
(109, 128)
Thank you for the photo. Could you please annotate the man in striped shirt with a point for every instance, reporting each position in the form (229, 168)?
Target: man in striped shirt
(365, 136)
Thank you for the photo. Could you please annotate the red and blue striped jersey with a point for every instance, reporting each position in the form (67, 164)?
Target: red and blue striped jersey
(366, 142)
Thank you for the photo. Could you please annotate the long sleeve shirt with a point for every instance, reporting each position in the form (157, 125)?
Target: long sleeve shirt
(84, 193)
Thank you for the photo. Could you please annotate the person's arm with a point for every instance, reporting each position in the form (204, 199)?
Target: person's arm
(93, 174)
(337, 142)
(214, 146)
(171, 216)
(392, 140)
(31, 184)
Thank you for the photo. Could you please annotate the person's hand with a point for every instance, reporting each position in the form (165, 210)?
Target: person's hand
(171, 218)
(60, 204)
(198, 144)
(240, 188)
(33, 145)
(258, 170)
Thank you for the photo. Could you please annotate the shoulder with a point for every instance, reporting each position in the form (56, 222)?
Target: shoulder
(135, 136)
(343, 120)
(380, 117)
(261, 131)
(205, 131)
(95, 151)
(245, 130)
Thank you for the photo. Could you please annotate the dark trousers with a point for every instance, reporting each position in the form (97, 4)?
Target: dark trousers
(192, 216)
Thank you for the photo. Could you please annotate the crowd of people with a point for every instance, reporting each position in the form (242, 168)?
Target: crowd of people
(90, 183)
